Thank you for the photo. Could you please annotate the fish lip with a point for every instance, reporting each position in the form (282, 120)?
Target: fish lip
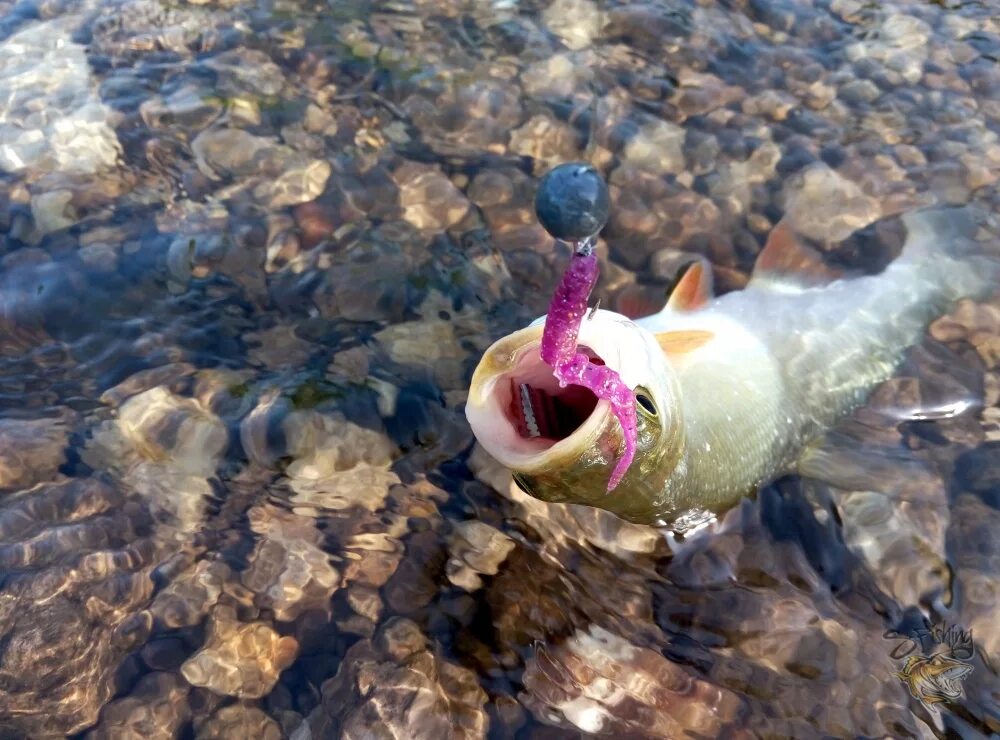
(497, 433)
(950, 680)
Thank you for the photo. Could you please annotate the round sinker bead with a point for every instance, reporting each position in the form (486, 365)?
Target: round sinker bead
(572, 201)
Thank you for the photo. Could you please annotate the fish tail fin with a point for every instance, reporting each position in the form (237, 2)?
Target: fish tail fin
(956, 248)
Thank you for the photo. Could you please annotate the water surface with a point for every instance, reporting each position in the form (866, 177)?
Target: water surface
(249, 256)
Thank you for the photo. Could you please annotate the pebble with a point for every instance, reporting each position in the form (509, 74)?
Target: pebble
(31, 450)
(598, 682)
(286, 177)
(336, 464)
(300, 180)
(548, 141)
(476, 549)
(576, 22)
(158, 443)
(52, 211)
(350, 290)
(288, 570)
(190, 596)
(241, 659)
(54, 121)
(228, 151)
(903, 544)
(699, 93)
(559, 75)
(429, 199)
(400, 684)
(823, 205)
(239, 720)
(859, 91)
(441, 339)
(775, 104)
(188, 107)
(658, 147)
(974, 554)
(156, 708)
(160, 425)
(241, 71)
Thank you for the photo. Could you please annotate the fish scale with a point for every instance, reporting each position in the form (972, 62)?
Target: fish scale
(803, 358)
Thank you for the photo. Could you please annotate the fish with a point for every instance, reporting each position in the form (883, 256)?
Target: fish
(730, 391)
(934, 679)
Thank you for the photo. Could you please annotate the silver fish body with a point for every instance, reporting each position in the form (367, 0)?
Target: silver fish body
(756, 376)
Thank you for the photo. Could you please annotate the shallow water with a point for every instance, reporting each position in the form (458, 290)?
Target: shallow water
(251, 253)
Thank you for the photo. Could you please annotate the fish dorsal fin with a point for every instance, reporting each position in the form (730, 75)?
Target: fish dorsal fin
(786, 262)
(694, 289)
(677, 343)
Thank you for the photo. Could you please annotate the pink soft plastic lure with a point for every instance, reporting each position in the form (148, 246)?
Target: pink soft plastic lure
(559, 351)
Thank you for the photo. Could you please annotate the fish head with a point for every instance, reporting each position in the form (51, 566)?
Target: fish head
(934, 679)
(562, 443)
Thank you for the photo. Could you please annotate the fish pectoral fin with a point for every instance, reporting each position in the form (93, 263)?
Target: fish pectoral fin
(934, 382)
(677, 343)
(853, 463)
(694, 289)
(787, 261)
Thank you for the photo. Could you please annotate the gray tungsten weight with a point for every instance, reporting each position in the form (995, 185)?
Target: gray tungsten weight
(572, 202)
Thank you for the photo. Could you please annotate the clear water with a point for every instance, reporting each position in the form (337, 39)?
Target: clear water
(249, 256)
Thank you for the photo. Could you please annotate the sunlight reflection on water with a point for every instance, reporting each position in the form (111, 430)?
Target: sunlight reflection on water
(250, 254)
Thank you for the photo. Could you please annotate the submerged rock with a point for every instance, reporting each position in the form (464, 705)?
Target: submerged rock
(54, 120)
(239, 720)
(70, 605)
(975, 557)
(299, 181)
(288, 570)
(599, 683)
(549, 141)
(187, 107)
(901, 539)
(282, 176)
(396, 685)
(476, 549)
(658, 147)
(155, 709)
(165, 448)
(241, 659)
(191, 596)
(899, 44)
(441, 339)
(429, 199)
(53, 211)
(576, 22)
(31, 451)
(825, 206)
(241, 71)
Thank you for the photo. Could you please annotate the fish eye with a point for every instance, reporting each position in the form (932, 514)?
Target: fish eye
(645, 402)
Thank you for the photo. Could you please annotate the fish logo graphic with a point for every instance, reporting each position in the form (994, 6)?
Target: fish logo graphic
(934, 679)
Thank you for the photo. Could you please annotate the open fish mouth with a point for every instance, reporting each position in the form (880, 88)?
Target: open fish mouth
(538, 408)
(949, 681)
(520, 413)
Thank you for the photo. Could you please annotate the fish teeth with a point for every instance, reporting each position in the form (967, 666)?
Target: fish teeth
(529, 412)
